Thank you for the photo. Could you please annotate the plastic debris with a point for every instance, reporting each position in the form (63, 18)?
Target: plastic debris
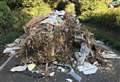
(18, 68)
(58, 39)
(11, 50)
(69, 80)
(87, 68)
(74, 75)
(11, 45)
(52, 74)
(53, 19)
(84, 51)
(31, 66)
(61, 69)
(110, 55)
(61, 13)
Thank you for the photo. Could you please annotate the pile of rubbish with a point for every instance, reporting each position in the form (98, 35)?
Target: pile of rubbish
(58, 41)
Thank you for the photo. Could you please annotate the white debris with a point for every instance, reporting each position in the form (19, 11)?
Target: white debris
(87, 68)
(99, 42)
(84, 51)
(18, 68)
(11, 45)
(96, 63)
(101, 45)
(69, 80)
(53, 19)
(61, 13)
(61, 69)
(110, 54)
(11, 50)
(17, 40)
(74, 75)
(52, 74)
(31, 66)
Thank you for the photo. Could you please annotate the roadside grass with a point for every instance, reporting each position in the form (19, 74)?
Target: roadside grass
(110, 38)
(8, 38)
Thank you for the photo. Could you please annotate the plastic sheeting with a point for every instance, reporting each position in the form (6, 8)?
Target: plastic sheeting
(84, 51)
(87, 68)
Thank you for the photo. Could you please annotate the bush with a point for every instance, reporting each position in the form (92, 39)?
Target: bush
(86, 8)
(108, 40)
(21, 18)
(6, 18)
(105, 17)
(35, 7)
(9, 38)
(70, 7)
(14, 4)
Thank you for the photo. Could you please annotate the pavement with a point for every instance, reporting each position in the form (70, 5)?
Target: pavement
(100, 76)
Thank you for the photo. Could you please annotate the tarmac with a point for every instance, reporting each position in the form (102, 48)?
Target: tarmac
(100, 76)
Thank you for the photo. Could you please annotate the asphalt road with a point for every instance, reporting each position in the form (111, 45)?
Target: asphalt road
(111, 76)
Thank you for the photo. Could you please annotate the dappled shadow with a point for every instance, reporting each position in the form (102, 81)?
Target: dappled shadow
(105, 20)
(106, 28)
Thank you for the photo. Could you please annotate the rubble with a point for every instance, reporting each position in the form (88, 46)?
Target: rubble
(58, 41)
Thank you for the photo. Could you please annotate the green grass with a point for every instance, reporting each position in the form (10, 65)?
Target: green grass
(102, 34)
(10, 37)
(109, 40)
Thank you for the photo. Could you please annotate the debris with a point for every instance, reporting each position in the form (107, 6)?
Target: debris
(53, 20)
(84, 51)
(110, 54)
(11, 50)
(52, 74)
(19, 68)
(87, 68)
(61, 69)
(61, 13)
(101, 45)
(31, 66)
(58, 40)
(74, 75)
(10, 45)
(69, 80)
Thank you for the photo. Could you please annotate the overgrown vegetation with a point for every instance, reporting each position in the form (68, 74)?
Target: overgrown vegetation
(6, 18)
(15, 13)
(106, 21)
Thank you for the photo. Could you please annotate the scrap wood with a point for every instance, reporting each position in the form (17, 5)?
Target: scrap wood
(44, 44)
(34, 21)
(59, 41)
